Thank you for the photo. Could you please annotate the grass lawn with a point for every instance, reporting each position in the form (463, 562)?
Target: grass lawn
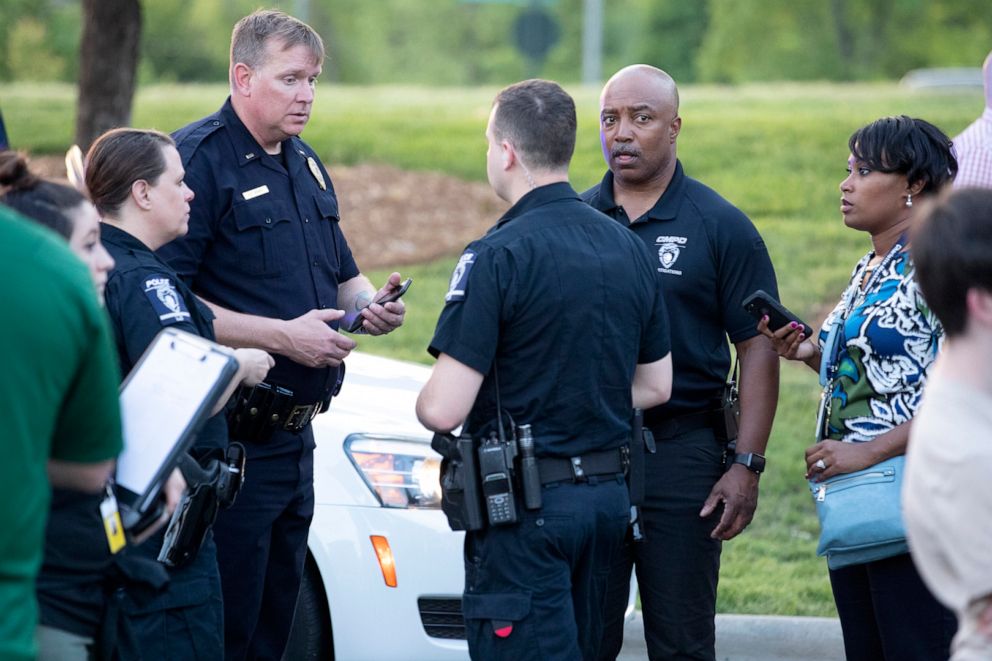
(777, 151)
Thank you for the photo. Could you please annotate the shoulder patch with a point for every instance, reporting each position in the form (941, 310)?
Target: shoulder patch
(165, 300)
(459, 277)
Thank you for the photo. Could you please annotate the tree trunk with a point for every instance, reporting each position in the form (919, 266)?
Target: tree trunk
(108, 62)
(845, 37)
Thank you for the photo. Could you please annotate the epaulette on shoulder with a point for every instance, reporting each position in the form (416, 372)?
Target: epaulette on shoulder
(189, 138)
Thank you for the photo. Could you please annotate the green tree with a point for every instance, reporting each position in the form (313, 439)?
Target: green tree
(768, 40)
(29, 55)
(183, 40)
(667, 35)
(841, 39)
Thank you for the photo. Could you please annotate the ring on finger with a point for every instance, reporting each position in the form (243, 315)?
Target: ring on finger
(822, 465)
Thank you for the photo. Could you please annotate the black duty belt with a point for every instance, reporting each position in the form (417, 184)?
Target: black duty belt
(581, 468)
(261, 409)
(682, 424)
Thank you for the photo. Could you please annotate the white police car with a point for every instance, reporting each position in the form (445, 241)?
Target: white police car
(384, 573)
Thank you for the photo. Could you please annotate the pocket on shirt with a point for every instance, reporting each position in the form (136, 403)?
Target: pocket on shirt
(330, 219)
(264, 237)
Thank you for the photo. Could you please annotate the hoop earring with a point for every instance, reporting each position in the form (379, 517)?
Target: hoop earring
(909, 199)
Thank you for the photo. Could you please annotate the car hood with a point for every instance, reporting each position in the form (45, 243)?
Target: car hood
(379, 395)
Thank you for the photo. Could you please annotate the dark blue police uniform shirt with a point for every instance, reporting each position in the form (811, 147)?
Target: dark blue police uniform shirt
(710, 257)
(566, 303)
(263, 239)
(143, 296)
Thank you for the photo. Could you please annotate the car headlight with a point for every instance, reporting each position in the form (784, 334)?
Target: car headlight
(402, 473)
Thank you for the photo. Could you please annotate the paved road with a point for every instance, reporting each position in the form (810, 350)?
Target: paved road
(757, 638)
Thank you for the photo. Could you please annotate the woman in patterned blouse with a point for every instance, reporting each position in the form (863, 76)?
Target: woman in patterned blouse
(887, 340)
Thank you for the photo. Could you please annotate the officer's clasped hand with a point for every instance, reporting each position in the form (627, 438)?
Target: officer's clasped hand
(310, 341)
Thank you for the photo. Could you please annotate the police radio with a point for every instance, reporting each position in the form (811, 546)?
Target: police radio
(495, 463)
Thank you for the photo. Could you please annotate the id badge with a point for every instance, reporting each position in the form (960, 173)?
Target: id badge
(112, 524)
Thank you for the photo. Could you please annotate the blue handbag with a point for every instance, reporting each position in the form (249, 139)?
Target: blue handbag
(861, 514)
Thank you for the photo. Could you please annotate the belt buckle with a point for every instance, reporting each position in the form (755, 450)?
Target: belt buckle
(299, 417)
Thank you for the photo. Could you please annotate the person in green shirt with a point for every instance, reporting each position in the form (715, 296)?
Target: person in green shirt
(59, 415)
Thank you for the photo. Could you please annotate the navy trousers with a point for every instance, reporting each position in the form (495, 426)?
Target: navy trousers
(261, 547)
(534, 590)
(184, 622)
(888, 614)
(677, 563)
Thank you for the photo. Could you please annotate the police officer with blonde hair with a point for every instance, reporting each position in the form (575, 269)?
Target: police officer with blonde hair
(265, 251)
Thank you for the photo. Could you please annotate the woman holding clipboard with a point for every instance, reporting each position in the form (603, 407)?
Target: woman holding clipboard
(135, 179)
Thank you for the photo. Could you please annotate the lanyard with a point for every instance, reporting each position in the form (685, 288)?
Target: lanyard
(854, 295)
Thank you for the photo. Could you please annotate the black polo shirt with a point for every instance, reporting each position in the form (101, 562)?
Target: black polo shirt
(565, 303)
(710, 258)
(264, 235)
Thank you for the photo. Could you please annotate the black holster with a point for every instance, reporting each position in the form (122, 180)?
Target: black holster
(726, 420)
(258, 411)
(211, 486)
(641, 441)
(461, 494)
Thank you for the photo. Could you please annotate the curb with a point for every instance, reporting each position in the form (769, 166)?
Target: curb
(757, 638)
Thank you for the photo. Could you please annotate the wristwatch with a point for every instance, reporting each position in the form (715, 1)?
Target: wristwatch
(752, 461)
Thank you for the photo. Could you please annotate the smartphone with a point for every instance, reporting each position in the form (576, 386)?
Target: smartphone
(354, 324)
(760, 303)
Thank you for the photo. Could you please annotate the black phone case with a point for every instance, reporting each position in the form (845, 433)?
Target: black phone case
(356, 324)
(760, 303)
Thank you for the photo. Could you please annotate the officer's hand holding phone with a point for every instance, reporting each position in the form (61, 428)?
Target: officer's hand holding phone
(386, 311)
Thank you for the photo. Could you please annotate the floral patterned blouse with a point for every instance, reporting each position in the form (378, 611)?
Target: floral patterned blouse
(889, 343)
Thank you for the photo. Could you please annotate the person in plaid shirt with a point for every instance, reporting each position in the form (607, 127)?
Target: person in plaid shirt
(974, 145)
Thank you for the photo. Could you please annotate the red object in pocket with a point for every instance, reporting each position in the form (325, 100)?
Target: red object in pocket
(502, 629)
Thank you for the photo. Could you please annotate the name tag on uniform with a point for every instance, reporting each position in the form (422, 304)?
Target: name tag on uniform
(255, 192)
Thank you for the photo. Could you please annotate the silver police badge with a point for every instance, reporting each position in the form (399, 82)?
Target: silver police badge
(317, 174)
(668, 253)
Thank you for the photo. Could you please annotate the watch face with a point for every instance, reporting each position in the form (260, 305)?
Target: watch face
(752, 460)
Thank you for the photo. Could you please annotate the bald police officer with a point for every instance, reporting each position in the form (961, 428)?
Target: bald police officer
(710, 258)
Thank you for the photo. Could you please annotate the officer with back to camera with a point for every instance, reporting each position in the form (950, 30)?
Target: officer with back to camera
(557, 311)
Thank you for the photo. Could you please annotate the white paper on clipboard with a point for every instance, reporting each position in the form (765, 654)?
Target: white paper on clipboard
(164, 401)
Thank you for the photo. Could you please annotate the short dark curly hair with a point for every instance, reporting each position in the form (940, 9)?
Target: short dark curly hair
(904, 145)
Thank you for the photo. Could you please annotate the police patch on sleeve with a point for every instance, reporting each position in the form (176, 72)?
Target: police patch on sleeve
(166, 301)
(459, 277)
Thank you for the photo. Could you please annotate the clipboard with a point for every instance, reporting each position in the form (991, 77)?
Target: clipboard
(165, 401)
